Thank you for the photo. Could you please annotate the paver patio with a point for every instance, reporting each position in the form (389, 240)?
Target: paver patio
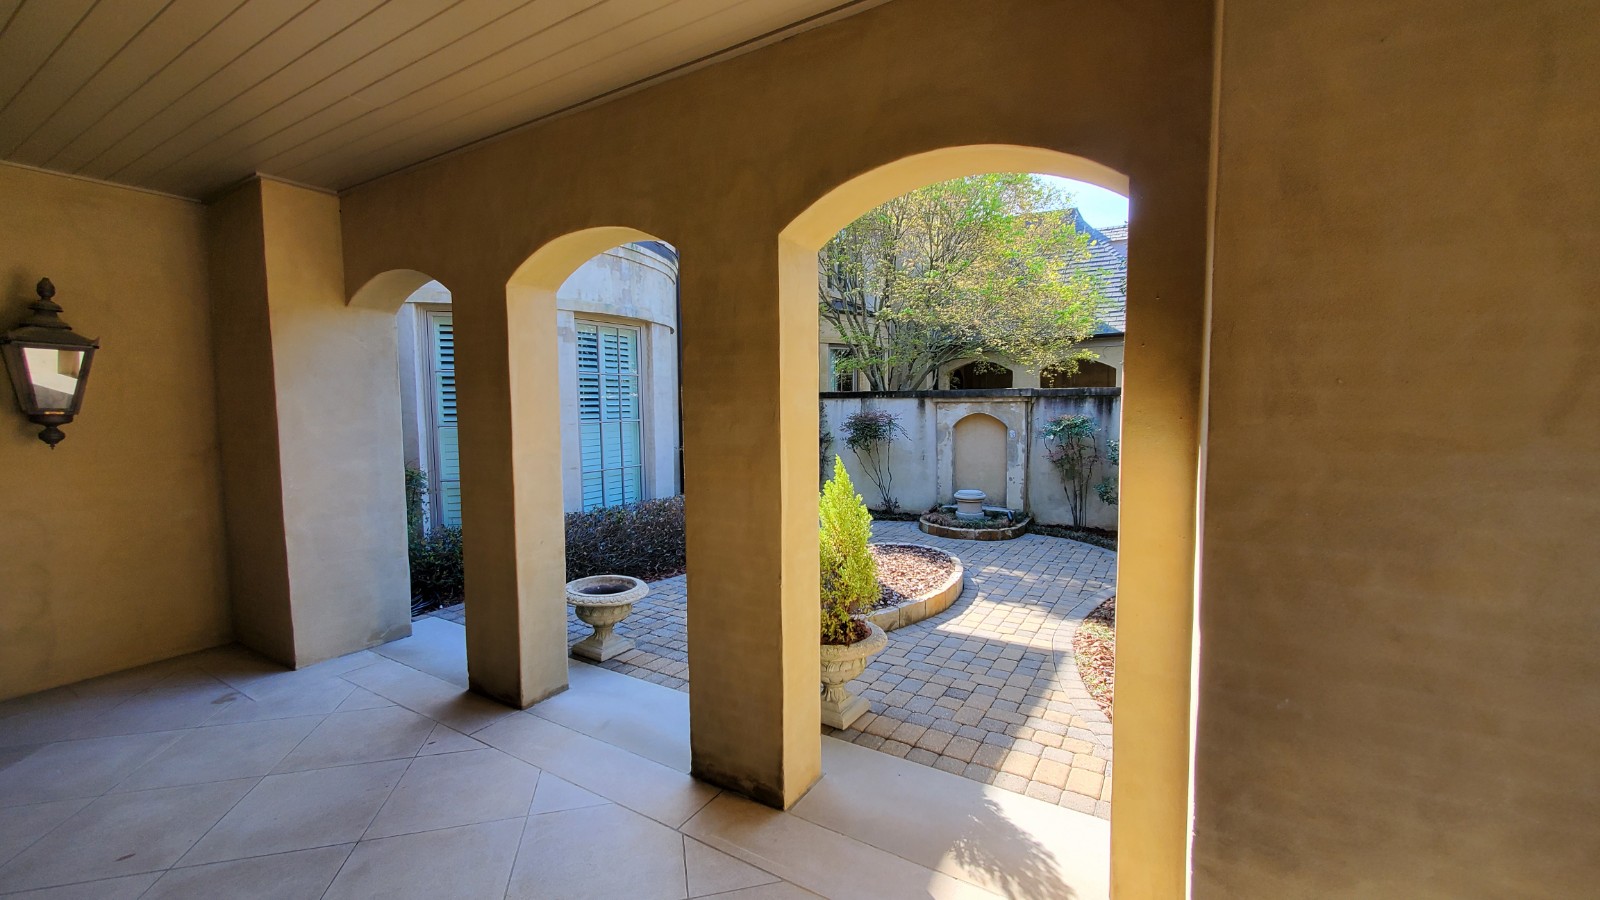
(988, 689)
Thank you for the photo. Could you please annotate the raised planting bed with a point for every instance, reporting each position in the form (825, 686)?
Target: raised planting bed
(997, 525)
(916, 582)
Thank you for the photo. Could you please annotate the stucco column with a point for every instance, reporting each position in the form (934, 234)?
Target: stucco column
(750, 421)
(508, 402)
(309, 423)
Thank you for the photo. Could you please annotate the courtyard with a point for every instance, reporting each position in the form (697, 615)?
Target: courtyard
(988, 690)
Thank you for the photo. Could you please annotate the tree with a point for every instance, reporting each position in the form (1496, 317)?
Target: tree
(1074, 449)
(870, 435)
(849, 573)
(974, 267)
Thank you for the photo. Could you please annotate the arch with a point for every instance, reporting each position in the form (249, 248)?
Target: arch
(517, 637)
(1090, 373)
(981, 375)
(387, 290)
(979, 445)
(1150, 811)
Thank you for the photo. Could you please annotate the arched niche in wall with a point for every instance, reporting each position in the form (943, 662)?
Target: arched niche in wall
(978, 449)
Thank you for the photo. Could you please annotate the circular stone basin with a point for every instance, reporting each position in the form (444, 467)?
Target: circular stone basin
(935, 596)
(994, 528)
(598, 590)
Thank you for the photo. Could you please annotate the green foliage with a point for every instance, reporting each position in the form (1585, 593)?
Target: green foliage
(1106, 488)
(870, 436)
(967, 268)
(437, 574)
(644, 540)
(1074, 449)
(849, 573)
(416, 490)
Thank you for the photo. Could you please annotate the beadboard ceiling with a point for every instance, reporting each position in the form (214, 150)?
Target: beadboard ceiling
(189, 96)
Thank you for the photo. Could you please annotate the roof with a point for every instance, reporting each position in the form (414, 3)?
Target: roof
(1107, 263)
(1117, 234)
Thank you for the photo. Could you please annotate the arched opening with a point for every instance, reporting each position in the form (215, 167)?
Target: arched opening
(1090, 373)
(428, 432)
(979, 446)
(980, 375)
(1152, 688)
(579, 438)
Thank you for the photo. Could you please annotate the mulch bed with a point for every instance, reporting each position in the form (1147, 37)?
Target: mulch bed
(1095, 648)
(905, 572)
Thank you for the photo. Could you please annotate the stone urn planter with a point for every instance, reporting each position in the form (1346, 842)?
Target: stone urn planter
(601, 601)
(840, 663)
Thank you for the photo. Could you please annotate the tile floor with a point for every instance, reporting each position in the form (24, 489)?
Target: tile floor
(219, 775)
(988, 690)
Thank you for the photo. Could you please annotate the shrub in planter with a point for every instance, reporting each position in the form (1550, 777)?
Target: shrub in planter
(870, 436)
(644, 540)
(849, 573)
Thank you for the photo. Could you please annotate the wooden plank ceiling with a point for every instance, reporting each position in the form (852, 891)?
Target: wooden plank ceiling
(189, 96)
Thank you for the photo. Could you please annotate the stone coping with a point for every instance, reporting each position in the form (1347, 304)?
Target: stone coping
(1010, 532)
(928, 603)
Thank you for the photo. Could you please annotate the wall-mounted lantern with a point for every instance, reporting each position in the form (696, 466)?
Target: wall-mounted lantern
(49, 365)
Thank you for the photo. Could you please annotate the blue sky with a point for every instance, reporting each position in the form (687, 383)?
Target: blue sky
(1099, 206)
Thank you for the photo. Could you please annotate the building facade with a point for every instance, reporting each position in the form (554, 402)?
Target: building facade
(617, 349)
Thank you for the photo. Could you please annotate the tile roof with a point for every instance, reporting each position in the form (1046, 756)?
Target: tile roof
(1108, 264)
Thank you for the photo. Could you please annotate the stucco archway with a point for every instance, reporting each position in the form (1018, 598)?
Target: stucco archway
(1150, 810)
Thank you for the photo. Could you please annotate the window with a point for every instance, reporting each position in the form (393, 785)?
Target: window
(445, 491)
(610, 427)
(841, 381)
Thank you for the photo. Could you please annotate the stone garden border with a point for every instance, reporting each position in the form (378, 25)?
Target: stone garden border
(928, 603)
(1010, 532)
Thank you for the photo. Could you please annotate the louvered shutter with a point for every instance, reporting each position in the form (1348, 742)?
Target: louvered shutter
(610, 429)
(441, 330)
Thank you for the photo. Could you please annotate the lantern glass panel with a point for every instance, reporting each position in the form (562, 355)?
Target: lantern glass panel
(54, 374)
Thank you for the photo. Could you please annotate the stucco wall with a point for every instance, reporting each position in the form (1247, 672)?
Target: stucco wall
(110, 545)
(1399, 684)
(923, 460)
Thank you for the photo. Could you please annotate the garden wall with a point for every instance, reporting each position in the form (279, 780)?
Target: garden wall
(923, 462)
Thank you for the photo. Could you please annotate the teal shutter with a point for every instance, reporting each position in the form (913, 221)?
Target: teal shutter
(447, 450)
(610, 427)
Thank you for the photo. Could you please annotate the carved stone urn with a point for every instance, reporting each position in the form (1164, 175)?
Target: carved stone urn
(841, 663)
(601, 601)
(969, 505)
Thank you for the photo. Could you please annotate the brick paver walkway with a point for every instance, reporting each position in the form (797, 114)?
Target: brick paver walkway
(988, 689)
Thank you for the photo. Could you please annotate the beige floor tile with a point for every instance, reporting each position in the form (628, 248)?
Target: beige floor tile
(85, 768)
(815, 858)
(778, 890)
(999, 840)
(60, 716)
(435, 698)
(22, 825)
(663, 794)
(128, 887)
(124, 834)
(299, 811)
(361, 698)
(444, 739)
(555, 794)
(599, 853)
(457, 789)
(312, 698)
(221, 753)
(302, 875)
(713, 872)
(359, 736)
(656, 726)
(165, 707)
(469, 861)
(435, 646)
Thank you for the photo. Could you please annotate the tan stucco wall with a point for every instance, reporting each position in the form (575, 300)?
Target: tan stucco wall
(979, 446)
(1400, 690)
(719, 163)
(311, 432)
(112, 547)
